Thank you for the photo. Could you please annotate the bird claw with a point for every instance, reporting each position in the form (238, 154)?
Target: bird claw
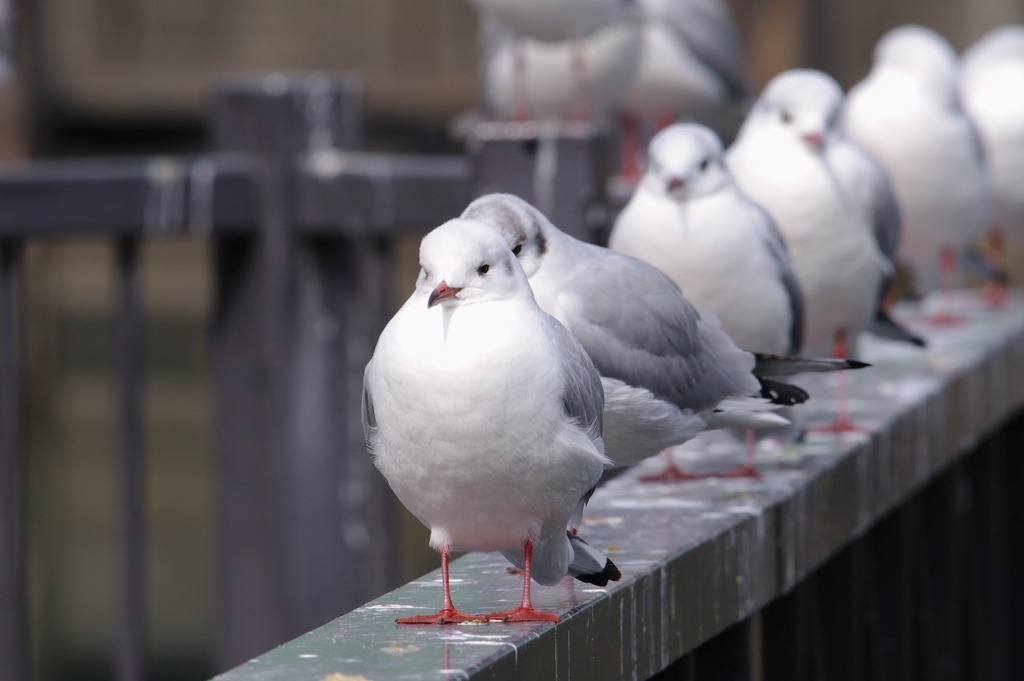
(842, 424)
(672, 474)
(443, 617)
(522, 614)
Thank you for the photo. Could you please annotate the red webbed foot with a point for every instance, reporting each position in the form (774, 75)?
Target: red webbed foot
(444, 617)
(522, 614)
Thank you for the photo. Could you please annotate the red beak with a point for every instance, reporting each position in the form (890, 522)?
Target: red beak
(675, 183)
(814, 139)
(442, 292)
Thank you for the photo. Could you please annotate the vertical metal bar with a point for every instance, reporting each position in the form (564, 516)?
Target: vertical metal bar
(14, 661)
(726, 657)
(129, 342)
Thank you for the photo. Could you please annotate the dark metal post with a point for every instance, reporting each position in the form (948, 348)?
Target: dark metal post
(301, 525)
(14, 657)
(557, 166)
(129, 346)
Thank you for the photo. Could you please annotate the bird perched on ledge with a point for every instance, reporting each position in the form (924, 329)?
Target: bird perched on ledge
(484, 416)
(690, 220)
(827, 197)
(907, 115)
(668, 369)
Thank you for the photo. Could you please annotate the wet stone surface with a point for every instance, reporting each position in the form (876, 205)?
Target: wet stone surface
(699, 556)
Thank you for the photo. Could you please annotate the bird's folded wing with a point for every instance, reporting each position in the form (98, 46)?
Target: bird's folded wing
(636, 326)
(583, 394)
(777, 247)
(369, 417)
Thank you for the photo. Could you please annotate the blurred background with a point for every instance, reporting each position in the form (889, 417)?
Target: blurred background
(116, 77)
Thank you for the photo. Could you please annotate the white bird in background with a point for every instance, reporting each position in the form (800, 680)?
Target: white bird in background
(691, 61)
(992, 88)
(484, 416)
(822, 193)
(528, 78)
(668, 369)
(556, 58)
(556, 20)
(907, 115)
(689, 219)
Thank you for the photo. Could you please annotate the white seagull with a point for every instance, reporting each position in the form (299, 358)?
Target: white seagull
(907, 115)
(555, 20)
(825, 196)
(691, 59)
(992, 87)
(690, 220)
(668, 369)
(484, 416)
(529, 78)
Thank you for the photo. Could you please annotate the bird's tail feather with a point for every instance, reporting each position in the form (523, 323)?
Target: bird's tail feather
(775, 365)
(559, 555)
(885, 326)
(782, 393)
(590, 565)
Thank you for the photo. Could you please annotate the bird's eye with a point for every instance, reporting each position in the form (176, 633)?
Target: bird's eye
(517, 250)
(784, 115)
(483, 269)
(704, 164)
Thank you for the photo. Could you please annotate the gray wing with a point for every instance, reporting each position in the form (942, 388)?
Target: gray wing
(583, 396)
(777, 247)
(885, 211)
(709, 31)
(636, 326)
(369, 417)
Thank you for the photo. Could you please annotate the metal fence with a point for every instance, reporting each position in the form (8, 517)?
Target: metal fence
(301, 219)
(886, 554)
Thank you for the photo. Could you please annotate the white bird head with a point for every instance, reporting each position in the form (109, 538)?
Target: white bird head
(685, 162)
(923, 56)
(1003, 44)
(801, 106)
(464, 262)
(522, 226)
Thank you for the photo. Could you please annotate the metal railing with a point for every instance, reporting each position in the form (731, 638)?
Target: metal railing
(886, 554)
(301, 220)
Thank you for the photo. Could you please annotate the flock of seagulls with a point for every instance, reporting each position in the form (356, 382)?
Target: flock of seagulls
(528, 364)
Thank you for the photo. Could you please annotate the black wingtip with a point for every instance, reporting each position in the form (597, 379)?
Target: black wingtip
(610, 573)
(854, 364)
(783, 394)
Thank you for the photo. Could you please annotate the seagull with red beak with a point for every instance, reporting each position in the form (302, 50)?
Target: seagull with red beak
(831, 201)
(690, 220)
(668, 369)
(485, 417)
(907, 114)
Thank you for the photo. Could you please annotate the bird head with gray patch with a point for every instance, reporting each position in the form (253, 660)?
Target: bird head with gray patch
(465, 262)
(522, 225)
(800, 106)
(685, 162)
(924, 57)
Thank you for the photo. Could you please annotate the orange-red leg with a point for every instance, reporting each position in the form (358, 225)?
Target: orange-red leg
(842, 422)
(525, 611)
(673, 473)
(995, 257)
(947, 276)
(521, 109)
(448, 613)
(581, 93)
